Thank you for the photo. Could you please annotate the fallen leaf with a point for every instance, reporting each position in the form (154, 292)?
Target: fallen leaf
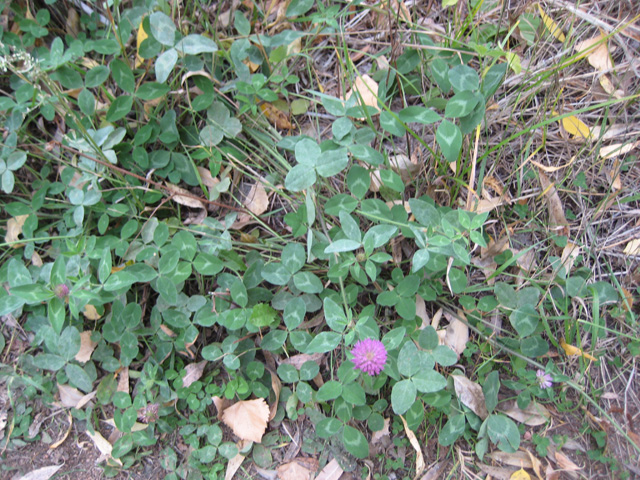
(90, 312)
(276, 117)
(206, 177)
(420, 465)
(534, 415)
(457, 333)
(421, 312)
(87, 346)
(103, 446)
(183, 197)
(59, 442)
(221, 405)
(69, 396)
(276, 386)
(608, 87)
(257, 200)
(193, 372)
(141, 37)
(366, 90)
(36, 259)
(551, 26)
(565, 463)
(233, 465)
(378, 435)
(43, 473)
(575, 127)
(295, 470)
(248, 419)
(571, 351)
(570, 253)
(634, 437)
(266, 474)
(301, 358)
(536, 464)
(470, 394)
(557, 220)
(497, 473)
(617, 149)
(331, 471)
(14, 229)
(434, 472)
(123, 380)
(515, 459)
(596, 51)
(520, 475)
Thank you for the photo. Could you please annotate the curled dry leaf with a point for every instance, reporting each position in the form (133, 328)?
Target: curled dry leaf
(498, 473)
(457, 333)
(596, 51)
(90, 312)
(571, 351)
(61, 440)
(87, 346)
(557, 220)
(123, 380)
(633, 247)
(570, 252)
(221, 405)
(515, 459)
(248, 419)
(103, 446)
(183, 197)
(470, 394)
(69, 396)
(44, 473)
(298, 469)
(232, 466)
(193, 372)
(276, 117)
(331, 471)
(551, 26)
(366, 90)
(276, 385)
(14, 229)
(534, 415)
(565, 463)
(378, 435)
(420, 465)
(257, 200)
(207, 178)
(617, 149)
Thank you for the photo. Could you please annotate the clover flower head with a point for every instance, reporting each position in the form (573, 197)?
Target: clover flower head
(544, 379)
(61, 291)
(370, 356)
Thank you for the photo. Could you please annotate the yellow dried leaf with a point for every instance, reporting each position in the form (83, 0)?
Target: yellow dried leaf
(576, 127)
(14, 229)
(103, 446)
(366, 90)
(520, 475)
(86, 347)
(572, 351)
(141, 37)
(90, 312)
(596, 51)
(550, 25)
(276, 117)
(248, 419)
(633, 247)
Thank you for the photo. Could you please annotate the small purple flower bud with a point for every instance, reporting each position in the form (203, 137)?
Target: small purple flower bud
(544, 379)
(61, 291)
(370, 356)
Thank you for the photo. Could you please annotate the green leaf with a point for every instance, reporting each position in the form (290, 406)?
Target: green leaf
(355, 442)
(428, 338)
(418, 114)
(309, 370)
(449, 138)
(534, 346)
(440, 71)
(242, 25)
(275, 273)
(493, 79)
(119, 280)
(96, 76)
(288, 373)
(56, 313)
(120, 107)
(300, 178)
(366, 154)
(122, 446)
(151, 90)
(32, 294)
(358, 181)
(461, 104)
(49, 361)
(403, 395)
(195, 44)
(165, 63)
(463, 78)
(307, 282)
(390, 123)
(328, 427)
(273, 340)
(69, 343)
(444, 356)
(86, 102)
(490, 388)
(299, 7)
(393, 338)
(294, 312)
(262, 315)
(343, 245)
(293, 257)
(457, 280)
(524, 320)
(452, 430)
(378, 236)
(503, 431)
(307, 152)
(162, 28)
(331, 162)
(506, 295)
(122, 75)
(166, 288)
(392, 180)
(334, 315)
(324, 342)
(329, 391)
(207, 264)
(408, 360)
(239, 293)
(429, 381)
(10, 303)
(78, 377)
(211, 136)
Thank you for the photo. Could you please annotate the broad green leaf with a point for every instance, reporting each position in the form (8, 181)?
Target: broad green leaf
(444, 356)
(294, 312)
(403, 395)
(334, 315)
(211, 136)
(490, 388)
(86, 102)
(96, 76)
(288, 373)
(300, 178)
(440, 71)
(524, 320)
(273, 340)
(418, 114)
(358, 181)
(48, 361)
(307, 152)
(534, 346)
(324, 342)
(78, 377)
(166, 289)
(377, 236)
(355, 442)
(298, 7)
(408, 360)
(309, 370)
(390, 123)
(328, 427)
(343, 245)
(329, 391)
(32, 294)
(162, 28)
(195, 44)
(503, 431)
(307, 282)
(69, 343)
(393, 338)
(152, 90)
(207, 264)
(120, 107)
(449, 138)
(293, 257)
(366, 154)
(165, 63)
(452, 430)
(461, 104)
(276, 273)
(119, 280)
(463, 78)
(429, 381)
(493, 79)
(122, 75)
(332, 162)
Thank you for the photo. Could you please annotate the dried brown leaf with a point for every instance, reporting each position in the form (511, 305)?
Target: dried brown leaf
(207, 178)
(515, 459)
(44, 473)
(457, 334)
(331, 471)
(257, 200)
(298, 469)
(378, 435)
(14, 230)
(60, 441)
(193, 372)
(633, 247)
(497, 473)
(534, 415)
(221, 405)
(301, 358)
(90, 312)
(87, 346)
(232, 466)
(597, 55)
(617, 149)
(557, 219)
(434, 472)
(366, 90)
(183, 197)
(471, 395)
(276, 117)
(103, 446)
(69, 396)
(123, 380)
(248, 419)
(276, 385)
(420, 465)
